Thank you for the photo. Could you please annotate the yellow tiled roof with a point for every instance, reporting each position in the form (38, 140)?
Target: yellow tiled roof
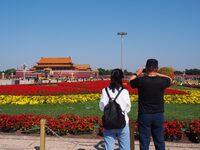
(82, 66)
(55, 60)
(53, 65)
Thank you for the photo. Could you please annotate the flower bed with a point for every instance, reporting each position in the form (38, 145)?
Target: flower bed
(21, 100)
(72, 92)
(71, 124)
(193, 97)
(173, 130)
(68, 88)
(38, 90)
(63, 125)
(193, 131)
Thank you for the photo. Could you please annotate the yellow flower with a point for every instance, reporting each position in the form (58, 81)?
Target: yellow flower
(192, 98)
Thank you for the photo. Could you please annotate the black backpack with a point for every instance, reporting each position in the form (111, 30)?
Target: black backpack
(113, 117)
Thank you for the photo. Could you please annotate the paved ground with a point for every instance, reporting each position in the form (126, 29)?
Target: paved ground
(14, 142)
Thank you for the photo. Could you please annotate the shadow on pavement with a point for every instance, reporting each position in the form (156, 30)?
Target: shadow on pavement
(100, 146)
(37, 148)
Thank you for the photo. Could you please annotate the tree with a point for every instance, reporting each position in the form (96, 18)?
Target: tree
(103, 71)
(108, 71)
(178, 72)
(10, 71)
(169, 71)
(192, 71)
(126, 72)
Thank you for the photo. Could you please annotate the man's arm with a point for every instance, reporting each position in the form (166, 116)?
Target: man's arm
(162, 75)
(135, 75)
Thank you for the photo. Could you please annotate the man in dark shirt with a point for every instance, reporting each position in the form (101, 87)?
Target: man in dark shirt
(151, 86)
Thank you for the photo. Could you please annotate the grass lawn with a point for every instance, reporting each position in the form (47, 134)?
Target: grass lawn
(172, 111)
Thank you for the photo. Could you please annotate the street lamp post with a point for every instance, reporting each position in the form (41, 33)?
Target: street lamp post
(122, 34)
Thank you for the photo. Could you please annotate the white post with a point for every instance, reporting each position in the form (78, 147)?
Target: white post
(3, 75)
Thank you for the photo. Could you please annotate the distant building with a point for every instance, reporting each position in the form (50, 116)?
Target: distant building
(82, 67)
(57, 68)
(60, 64)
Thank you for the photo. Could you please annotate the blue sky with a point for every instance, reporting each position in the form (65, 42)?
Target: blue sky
(86, 30)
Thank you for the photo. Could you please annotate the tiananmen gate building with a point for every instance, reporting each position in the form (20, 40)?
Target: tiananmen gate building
(60, 64)
(57, 68)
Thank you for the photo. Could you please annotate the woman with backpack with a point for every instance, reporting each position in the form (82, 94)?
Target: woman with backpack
(115, 103)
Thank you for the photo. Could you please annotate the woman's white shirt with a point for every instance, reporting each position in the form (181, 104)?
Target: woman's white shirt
(123, 100)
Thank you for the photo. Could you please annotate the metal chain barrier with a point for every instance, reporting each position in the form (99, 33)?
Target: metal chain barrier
(32, 129)
(53, 132)
(131, 135)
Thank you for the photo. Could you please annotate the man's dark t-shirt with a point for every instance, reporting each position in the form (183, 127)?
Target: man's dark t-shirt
(151, 93)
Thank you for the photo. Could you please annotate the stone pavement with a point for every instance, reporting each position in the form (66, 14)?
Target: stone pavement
(21, 142)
